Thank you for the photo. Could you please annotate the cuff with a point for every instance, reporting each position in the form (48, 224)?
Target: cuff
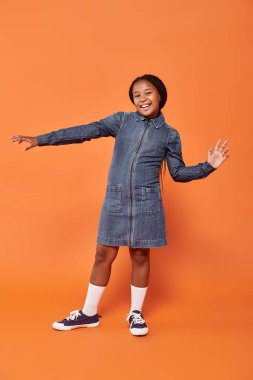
(208, 167)
(42, 140)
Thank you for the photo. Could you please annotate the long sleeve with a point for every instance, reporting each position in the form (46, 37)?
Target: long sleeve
(178, 171)
(108, 126)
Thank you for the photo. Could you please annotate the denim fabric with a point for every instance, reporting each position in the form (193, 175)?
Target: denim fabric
(132, 213)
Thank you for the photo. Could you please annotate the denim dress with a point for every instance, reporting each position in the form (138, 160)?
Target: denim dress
(132, 212)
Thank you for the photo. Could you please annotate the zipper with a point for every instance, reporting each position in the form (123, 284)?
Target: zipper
(136, 151)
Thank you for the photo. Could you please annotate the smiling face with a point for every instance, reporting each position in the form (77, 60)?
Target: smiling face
(146, 98)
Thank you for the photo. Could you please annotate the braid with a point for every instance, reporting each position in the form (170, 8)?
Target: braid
(156, 82)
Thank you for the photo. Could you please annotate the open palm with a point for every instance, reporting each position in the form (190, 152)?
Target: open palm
(217, 155)
(31, 140)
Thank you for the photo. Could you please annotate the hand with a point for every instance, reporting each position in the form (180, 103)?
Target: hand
(32, 140)
(218, 155)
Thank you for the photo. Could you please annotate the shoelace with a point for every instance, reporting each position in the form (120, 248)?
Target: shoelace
(73, 315)
(137, 318)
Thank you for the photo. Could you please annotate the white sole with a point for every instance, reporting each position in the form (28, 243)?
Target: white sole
(61, 327)
(138, 332)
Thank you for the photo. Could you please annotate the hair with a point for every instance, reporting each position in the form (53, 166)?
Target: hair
(157, 82)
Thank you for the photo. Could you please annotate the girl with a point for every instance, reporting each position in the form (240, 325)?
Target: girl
(132, 213)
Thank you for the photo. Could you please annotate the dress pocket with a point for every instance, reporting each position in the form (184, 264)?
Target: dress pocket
(113, 199)
(151, 201)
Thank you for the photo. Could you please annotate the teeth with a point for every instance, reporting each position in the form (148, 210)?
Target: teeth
(145, 106)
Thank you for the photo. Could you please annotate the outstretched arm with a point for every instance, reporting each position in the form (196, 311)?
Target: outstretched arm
(108, 126)
(181, 173)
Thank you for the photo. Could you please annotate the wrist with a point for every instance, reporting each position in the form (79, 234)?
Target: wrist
(210, 165)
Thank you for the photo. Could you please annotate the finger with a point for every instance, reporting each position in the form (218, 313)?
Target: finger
(225, 142)
(23, 138)
(222, 148)
(28, 147)
(15, 138)
(217, 144)
(223, 152)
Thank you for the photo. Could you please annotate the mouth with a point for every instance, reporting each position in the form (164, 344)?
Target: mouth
(145, 107)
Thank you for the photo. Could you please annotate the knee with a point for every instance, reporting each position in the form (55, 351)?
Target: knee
(105, 255)
(140, 257)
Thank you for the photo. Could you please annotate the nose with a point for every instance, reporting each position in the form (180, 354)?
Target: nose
(142, 97)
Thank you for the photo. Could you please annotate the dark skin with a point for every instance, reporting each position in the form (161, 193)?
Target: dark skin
(105, 256)
(144, 94)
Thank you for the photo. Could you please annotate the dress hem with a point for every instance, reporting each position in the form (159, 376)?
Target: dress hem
(136, 243)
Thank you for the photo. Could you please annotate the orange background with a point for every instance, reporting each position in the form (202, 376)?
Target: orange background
(66, 63)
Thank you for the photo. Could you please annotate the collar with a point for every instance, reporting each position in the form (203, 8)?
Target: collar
(157, 121)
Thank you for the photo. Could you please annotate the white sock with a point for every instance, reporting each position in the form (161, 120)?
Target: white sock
(137, 297)
(92, 299)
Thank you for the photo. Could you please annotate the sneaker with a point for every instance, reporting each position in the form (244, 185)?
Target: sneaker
(77, 319)
(137, 323)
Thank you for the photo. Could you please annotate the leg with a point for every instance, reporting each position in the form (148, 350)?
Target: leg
(139, 284)
(88, 317)
(101, 271)
(140, 266)
(100, 275)
(140, 275)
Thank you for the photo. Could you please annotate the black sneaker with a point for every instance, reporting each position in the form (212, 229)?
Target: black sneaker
(137, 323)
(77, 319)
